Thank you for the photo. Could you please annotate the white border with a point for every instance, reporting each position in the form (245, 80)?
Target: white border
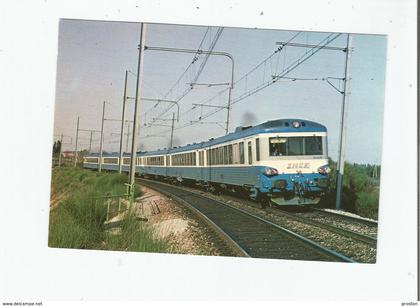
(30, 270)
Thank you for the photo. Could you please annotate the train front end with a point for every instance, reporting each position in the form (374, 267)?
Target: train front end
(294, 169)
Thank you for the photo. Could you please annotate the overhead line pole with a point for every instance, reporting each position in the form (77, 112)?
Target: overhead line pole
(122, 123)
(343, 118)
(102, 138)
(343, 125)
(137, 106)
(128, 138)
(172, 130)
(75, 147)
(90, 141)
(61, 145)
(91, 135)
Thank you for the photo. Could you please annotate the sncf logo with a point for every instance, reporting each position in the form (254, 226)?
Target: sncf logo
(297, 165)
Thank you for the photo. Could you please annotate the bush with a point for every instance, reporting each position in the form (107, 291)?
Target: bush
(367, 204)
(360, 193)
(78, 220)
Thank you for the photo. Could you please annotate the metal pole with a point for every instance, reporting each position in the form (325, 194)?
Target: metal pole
(61, 145)
(90, 141)
(229, 101)
(137, 108)
(75, 147)
(102, 138)
(166, 101)
(203, 52)
(172, 130)
(230, 95)
(344, 107)
(122, 124)
(290, 44)
(128, 138)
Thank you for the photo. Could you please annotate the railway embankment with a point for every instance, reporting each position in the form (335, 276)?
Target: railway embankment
(80, 217)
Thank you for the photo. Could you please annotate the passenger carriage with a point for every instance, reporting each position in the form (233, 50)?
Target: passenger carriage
(281, 161)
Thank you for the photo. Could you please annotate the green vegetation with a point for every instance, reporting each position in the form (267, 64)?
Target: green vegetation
(360, 189)
(77, 219)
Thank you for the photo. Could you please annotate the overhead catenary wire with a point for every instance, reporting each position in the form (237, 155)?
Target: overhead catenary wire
(246, 75)
(194, 59)
(308, 54)
(197, 74)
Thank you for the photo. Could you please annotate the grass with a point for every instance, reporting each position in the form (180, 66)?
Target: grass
(77, 221)
(360, 192)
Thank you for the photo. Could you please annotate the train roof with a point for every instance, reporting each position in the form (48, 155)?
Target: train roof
(272, 126)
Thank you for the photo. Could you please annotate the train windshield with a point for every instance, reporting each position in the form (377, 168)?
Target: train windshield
(291, 146)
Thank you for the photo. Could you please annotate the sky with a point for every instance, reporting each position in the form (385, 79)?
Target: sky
(93, 57)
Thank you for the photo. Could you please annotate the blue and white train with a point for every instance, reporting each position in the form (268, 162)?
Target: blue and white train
(282, 161)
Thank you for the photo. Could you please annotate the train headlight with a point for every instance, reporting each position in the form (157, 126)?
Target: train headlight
(268, 171)
(296, 124)
(281, 184)
(324, 170)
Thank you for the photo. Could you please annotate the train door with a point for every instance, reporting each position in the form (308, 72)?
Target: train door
(209, 163)
(201, 164)
(249, 153)
(166, 159)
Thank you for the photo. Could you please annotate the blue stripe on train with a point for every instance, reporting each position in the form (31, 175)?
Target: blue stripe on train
(239, 176)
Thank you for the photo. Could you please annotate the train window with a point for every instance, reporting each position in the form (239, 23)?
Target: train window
(313, 145)
(230, 154)
(93, 160)
(295, 146)
(257, 149)
(213, 156)
(215, 159)
(225, 157)
(278, 146)
(241, 153)
(126, 160)
(235, 153)
(249, 153)
(110, 160)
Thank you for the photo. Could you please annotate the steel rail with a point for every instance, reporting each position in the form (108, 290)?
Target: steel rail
(346, 217)
(332, 228)
(238, 250)
(290, 235)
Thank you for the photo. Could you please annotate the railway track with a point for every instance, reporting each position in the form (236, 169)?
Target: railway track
(332, 228)
(247, 233)
(333, 222)
(365, 230)
(346, 217)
